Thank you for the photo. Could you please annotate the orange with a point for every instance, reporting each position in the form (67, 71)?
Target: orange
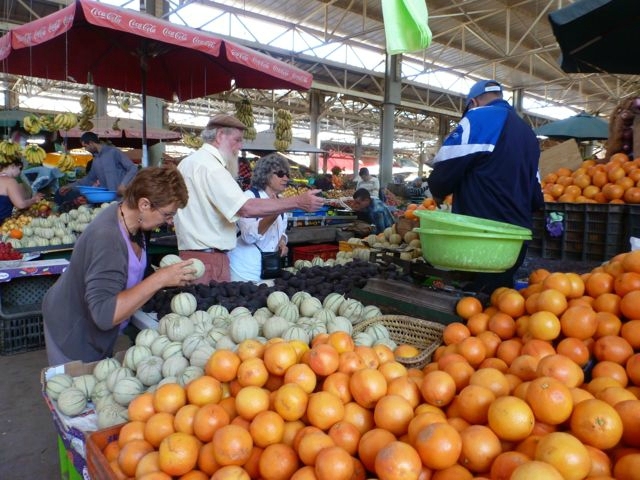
(223, 365)
(503, 324)
(596, 423)
(490, 378)
(599, 283)
(338, 384)
(566, 453)
(473, 350)
(203, 390)
(561, 367)
(439, 445)
(393, 413)
(503, 466)
(251, 400)
(544, 325)
(455, 332)
(131, 431)
(371, 443)
(148, 464)
(627, 467)
(302, 375)
(535, 470)
(468, 306)
(510, 418)
(579, 322)
(480, 447)
(157, 427)
(290, 401)
(234, 445)
(474, 402)
(141, 407)
(630, 305)
(208, 419)
(184, 418)
(438, 388)
(324, 409)
(368, 386)
(267, 428)
(131, 453)
(310, 443)
(629, 412)
(552, 301)
(397, 461)
(278, 462)
(231, 472)
(334, 463)
(178, 453)
(169, 398)
(278, 357)
(613, 348)
(359, 416)
(346, 435)
(550, 400)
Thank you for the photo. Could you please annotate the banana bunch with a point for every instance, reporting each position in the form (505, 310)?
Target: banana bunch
(283, 130)
(65, 121)
(48, 123)
(10, 149)
(66, 162)
(244, 113)
(34, 154)
(88, 111)
(31, 124)
(191, 140)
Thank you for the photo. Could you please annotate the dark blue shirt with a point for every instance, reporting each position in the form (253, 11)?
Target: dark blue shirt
(490, 164)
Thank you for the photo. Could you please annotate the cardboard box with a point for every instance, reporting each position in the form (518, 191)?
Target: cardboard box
(73, 430)
(566, 154)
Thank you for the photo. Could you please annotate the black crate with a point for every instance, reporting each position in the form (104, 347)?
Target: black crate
(21, 328)
(632, 224)
(590, 231)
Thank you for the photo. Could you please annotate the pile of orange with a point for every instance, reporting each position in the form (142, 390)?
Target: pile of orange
(617, 181)
(427, 204)
(506, 396)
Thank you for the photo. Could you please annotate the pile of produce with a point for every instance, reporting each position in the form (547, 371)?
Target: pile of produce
(540, 384)
(621, 127)
(244, 113)
(316, 280)
(283, 132)
(617, 181)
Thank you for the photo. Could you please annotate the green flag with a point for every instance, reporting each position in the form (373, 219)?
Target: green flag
(405, 25)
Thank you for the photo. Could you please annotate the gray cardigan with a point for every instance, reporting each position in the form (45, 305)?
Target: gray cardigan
(78, 309)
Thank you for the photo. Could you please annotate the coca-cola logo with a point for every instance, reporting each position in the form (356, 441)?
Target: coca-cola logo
(68, 20)
(54, 26)
(180, 36)
(39, 34)
(4, 51)
(112, 17)
(240, 54)
(205, 42)
(281, 70)
(142, 26)
(262, 63)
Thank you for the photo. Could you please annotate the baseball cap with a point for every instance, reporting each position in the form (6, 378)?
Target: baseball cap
(483, 86)
(224, 120)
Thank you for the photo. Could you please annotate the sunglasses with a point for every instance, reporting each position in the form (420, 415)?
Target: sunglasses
(281, 174)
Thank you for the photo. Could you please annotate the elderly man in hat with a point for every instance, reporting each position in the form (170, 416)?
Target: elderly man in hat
(206, 227)
(490, 165)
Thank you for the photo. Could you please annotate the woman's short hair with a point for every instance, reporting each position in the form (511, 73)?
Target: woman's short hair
(9, 160)
(160, 185)
(265, 167)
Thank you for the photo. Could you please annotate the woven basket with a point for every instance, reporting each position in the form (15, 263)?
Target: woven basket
(422, 334)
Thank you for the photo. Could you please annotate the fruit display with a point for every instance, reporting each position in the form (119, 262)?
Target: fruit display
(621, 127)
(32, 124)
(8, 252)
(244, 113)
(34, 154)
(10, 149)
(283, 132)
(617, 181)
(66, 162)
(65, 121)
(191, 140)
(538, 383)
(89, 109)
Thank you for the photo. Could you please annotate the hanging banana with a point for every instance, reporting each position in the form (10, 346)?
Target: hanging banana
(47, 123)
(283, 132)
(244, 113)
(191, 140)
(10, 149)
(34, 154)
(65, 121)
(66, 162)
(31, 124)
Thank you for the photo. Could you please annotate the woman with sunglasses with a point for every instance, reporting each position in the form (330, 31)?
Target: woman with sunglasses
(267, 234)
(12, 194)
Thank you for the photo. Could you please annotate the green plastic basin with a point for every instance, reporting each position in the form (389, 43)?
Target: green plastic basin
(435, 219)
(470, 251)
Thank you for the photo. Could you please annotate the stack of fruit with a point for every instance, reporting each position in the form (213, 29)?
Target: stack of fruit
(89, 109)
(191, 140)
(8, 253)
(34, 154)
(32, 124)
(284, 135)
(244, 113)
(65, 121)
(9, 149)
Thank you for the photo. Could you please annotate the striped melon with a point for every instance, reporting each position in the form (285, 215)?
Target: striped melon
(72, 401)
(333, 301)
(184, 303)
(57, 384)
(146, 337)
(104, 367)
(174, 366)
(310, 306)
(127, 389)
(276, 299)
(288, 311)
(85, 383)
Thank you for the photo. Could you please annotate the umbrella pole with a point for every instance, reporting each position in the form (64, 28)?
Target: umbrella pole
(143, 73)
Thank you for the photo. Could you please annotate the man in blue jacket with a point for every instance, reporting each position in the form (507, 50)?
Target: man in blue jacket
(490, 165)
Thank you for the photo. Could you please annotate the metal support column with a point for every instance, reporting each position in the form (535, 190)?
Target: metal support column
(357, 153)
(315, 100)
(392, 97)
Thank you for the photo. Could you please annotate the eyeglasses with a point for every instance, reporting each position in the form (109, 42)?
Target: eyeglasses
(281, 174)
(167, 215)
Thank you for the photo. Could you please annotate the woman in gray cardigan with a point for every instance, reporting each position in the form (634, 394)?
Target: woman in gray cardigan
(104, 283)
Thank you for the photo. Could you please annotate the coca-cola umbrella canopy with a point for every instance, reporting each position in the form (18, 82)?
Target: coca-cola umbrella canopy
(582, 127)
(107, 46)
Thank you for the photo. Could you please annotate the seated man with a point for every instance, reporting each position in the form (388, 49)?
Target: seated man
(372, 210)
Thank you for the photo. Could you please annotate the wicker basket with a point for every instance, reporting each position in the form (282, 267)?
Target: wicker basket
(422, 334)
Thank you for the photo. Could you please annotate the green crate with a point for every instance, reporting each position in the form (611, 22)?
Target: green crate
(67, 469)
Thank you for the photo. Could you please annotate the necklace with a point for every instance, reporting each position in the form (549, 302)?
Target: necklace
(138, 237)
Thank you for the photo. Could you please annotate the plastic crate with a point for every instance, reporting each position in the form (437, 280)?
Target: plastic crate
(97, 463)
(21, 327)
(590, 231)
(308, 252)
(632, 223)
(301, 213)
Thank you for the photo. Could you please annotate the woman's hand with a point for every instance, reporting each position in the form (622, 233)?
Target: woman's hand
(177, 274)
(37, 197)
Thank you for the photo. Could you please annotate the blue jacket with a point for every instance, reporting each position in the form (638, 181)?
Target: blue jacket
(490, 164)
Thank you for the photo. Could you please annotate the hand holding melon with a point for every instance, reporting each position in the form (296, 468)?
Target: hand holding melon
(180, 270)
